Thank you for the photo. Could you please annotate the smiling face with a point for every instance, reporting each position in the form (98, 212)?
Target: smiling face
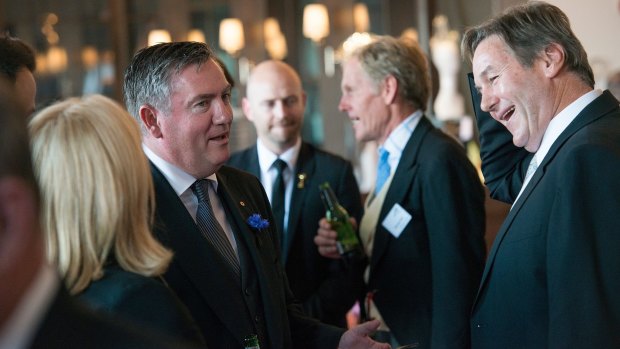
(518, 97)
(364, 104)
(194, 134)
(275, 104)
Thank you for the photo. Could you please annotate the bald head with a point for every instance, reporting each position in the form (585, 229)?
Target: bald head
(275, 104)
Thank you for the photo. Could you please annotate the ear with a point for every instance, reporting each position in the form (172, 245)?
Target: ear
(247, 109)
(304, 99)
(554, 60)
(388, 89)
(149, 115)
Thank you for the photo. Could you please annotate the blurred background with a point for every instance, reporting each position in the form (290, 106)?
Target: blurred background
(83, 46)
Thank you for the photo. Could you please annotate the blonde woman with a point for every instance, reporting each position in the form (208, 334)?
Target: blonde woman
(97, 209)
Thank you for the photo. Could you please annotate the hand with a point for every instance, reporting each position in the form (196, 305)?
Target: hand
(358, 337)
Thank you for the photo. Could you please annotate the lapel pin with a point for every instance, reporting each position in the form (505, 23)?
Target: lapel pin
(242, 203)
(301, 180)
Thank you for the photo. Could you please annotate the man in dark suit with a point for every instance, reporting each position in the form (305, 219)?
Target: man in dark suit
(423, 226)
(551, 279)
(35, 310)
(275, 103)
(215, 218)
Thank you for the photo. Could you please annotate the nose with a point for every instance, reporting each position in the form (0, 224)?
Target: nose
(488, 101)
(279, 110)
(342, 105)
(223, 113)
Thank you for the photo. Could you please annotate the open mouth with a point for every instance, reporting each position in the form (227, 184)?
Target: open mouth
(508, 114)
(222, 137)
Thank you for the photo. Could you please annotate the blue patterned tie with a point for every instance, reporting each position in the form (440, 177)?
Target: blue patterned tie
(210, 227)
(383, 169)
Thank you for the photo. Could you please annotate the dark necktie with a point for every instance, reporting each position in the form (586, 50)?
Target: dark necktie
(277, 198)
(210, 227)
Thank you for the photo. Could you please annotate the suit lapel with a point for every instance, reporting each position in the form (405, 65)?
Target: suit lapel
(305, 167)
(260, 250)
(197, 258)
(251, 156)
(594, 111)
(399, 187)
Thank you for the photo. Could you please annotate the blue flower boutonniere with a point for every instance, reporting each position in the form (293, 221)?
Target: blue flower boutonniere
(257, 222)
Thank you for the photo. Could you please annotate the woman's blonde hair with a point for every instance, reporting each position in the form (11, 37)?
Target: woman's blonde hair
(97, 190)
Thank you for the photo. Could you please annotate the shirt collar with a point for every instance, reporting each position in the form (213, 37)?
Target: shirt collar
(179, 180)
(560, 122)
(397, 140)
(266, 157)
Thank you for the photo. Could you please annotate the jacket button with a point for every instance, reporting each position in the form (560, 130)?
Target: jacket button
(256, 319)
(247, 292)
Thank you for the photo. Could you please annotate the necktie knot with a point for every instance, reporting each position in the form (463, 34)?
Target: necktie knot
(383, 169)
(280, 165)
(201, 190)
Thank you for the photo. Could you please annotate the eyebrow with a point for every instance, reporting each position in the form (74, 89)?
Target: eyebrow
(212, 95)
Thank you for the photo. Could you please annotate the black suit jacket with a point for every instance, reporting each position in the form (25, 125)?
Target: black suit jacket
(225, 310)
(326, 287)
(142, 300)
(68, 324)
(552, 276)
(425, 280)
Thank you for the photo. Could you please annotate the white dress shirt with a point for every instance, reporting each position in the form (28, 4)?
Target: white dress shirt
(557, 125)
(182, 181)
(268, 172)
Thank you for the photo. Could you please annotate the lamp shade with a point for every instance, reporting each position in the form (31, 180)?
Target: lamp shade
(196, 35)
(316, 22)
(232, 39)
(360, 17)
(157, 36)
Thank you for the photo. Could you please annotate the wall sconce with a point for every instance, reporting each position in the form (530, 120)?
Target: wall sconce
(231, 36)
(360, 18)
(56, 59)
(316, 22)
(157, 36)
(275, 42)
(196, 35)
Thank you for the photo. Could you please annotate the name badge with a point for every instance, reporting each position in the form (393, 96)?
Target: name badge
(396, 220)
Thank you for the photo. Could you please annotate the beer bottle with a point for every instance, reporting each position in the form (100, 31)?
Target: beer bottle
(348, 243)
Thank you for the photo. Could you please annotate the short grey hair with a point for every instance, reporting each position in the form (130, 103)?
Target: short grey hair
(528, 29)
(148, 76)
(404, 60)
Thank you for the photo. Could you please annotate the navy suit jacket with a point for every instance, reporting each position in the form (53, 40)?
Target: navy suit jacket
(68, 324)
(425, 280)
(142, 300)
(205, 283)
(326, 287)
(552, 276)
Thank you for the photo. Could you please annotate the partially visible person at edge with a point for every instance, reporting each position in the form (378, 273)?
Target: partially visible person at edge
(551, 279)
(97, 211)
(216, 219)
(423, 225)
(275, 102)
(17, 65)
(36, 309)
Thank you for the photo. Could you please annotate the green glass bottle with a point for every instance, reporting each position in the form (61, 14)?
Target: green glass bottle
(251, 342)
(348, 243)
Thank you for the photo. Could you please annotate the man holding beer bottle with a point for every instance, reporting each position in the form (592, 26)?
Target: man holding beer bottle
(275, 103)
(423, 226)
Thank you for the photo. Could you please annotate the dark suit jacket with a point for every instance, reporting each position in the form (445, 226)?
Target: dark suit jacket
(326, 287)
(552, 277)
(70, 325)
(225, 309)
(425, 280)
(142, 300)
